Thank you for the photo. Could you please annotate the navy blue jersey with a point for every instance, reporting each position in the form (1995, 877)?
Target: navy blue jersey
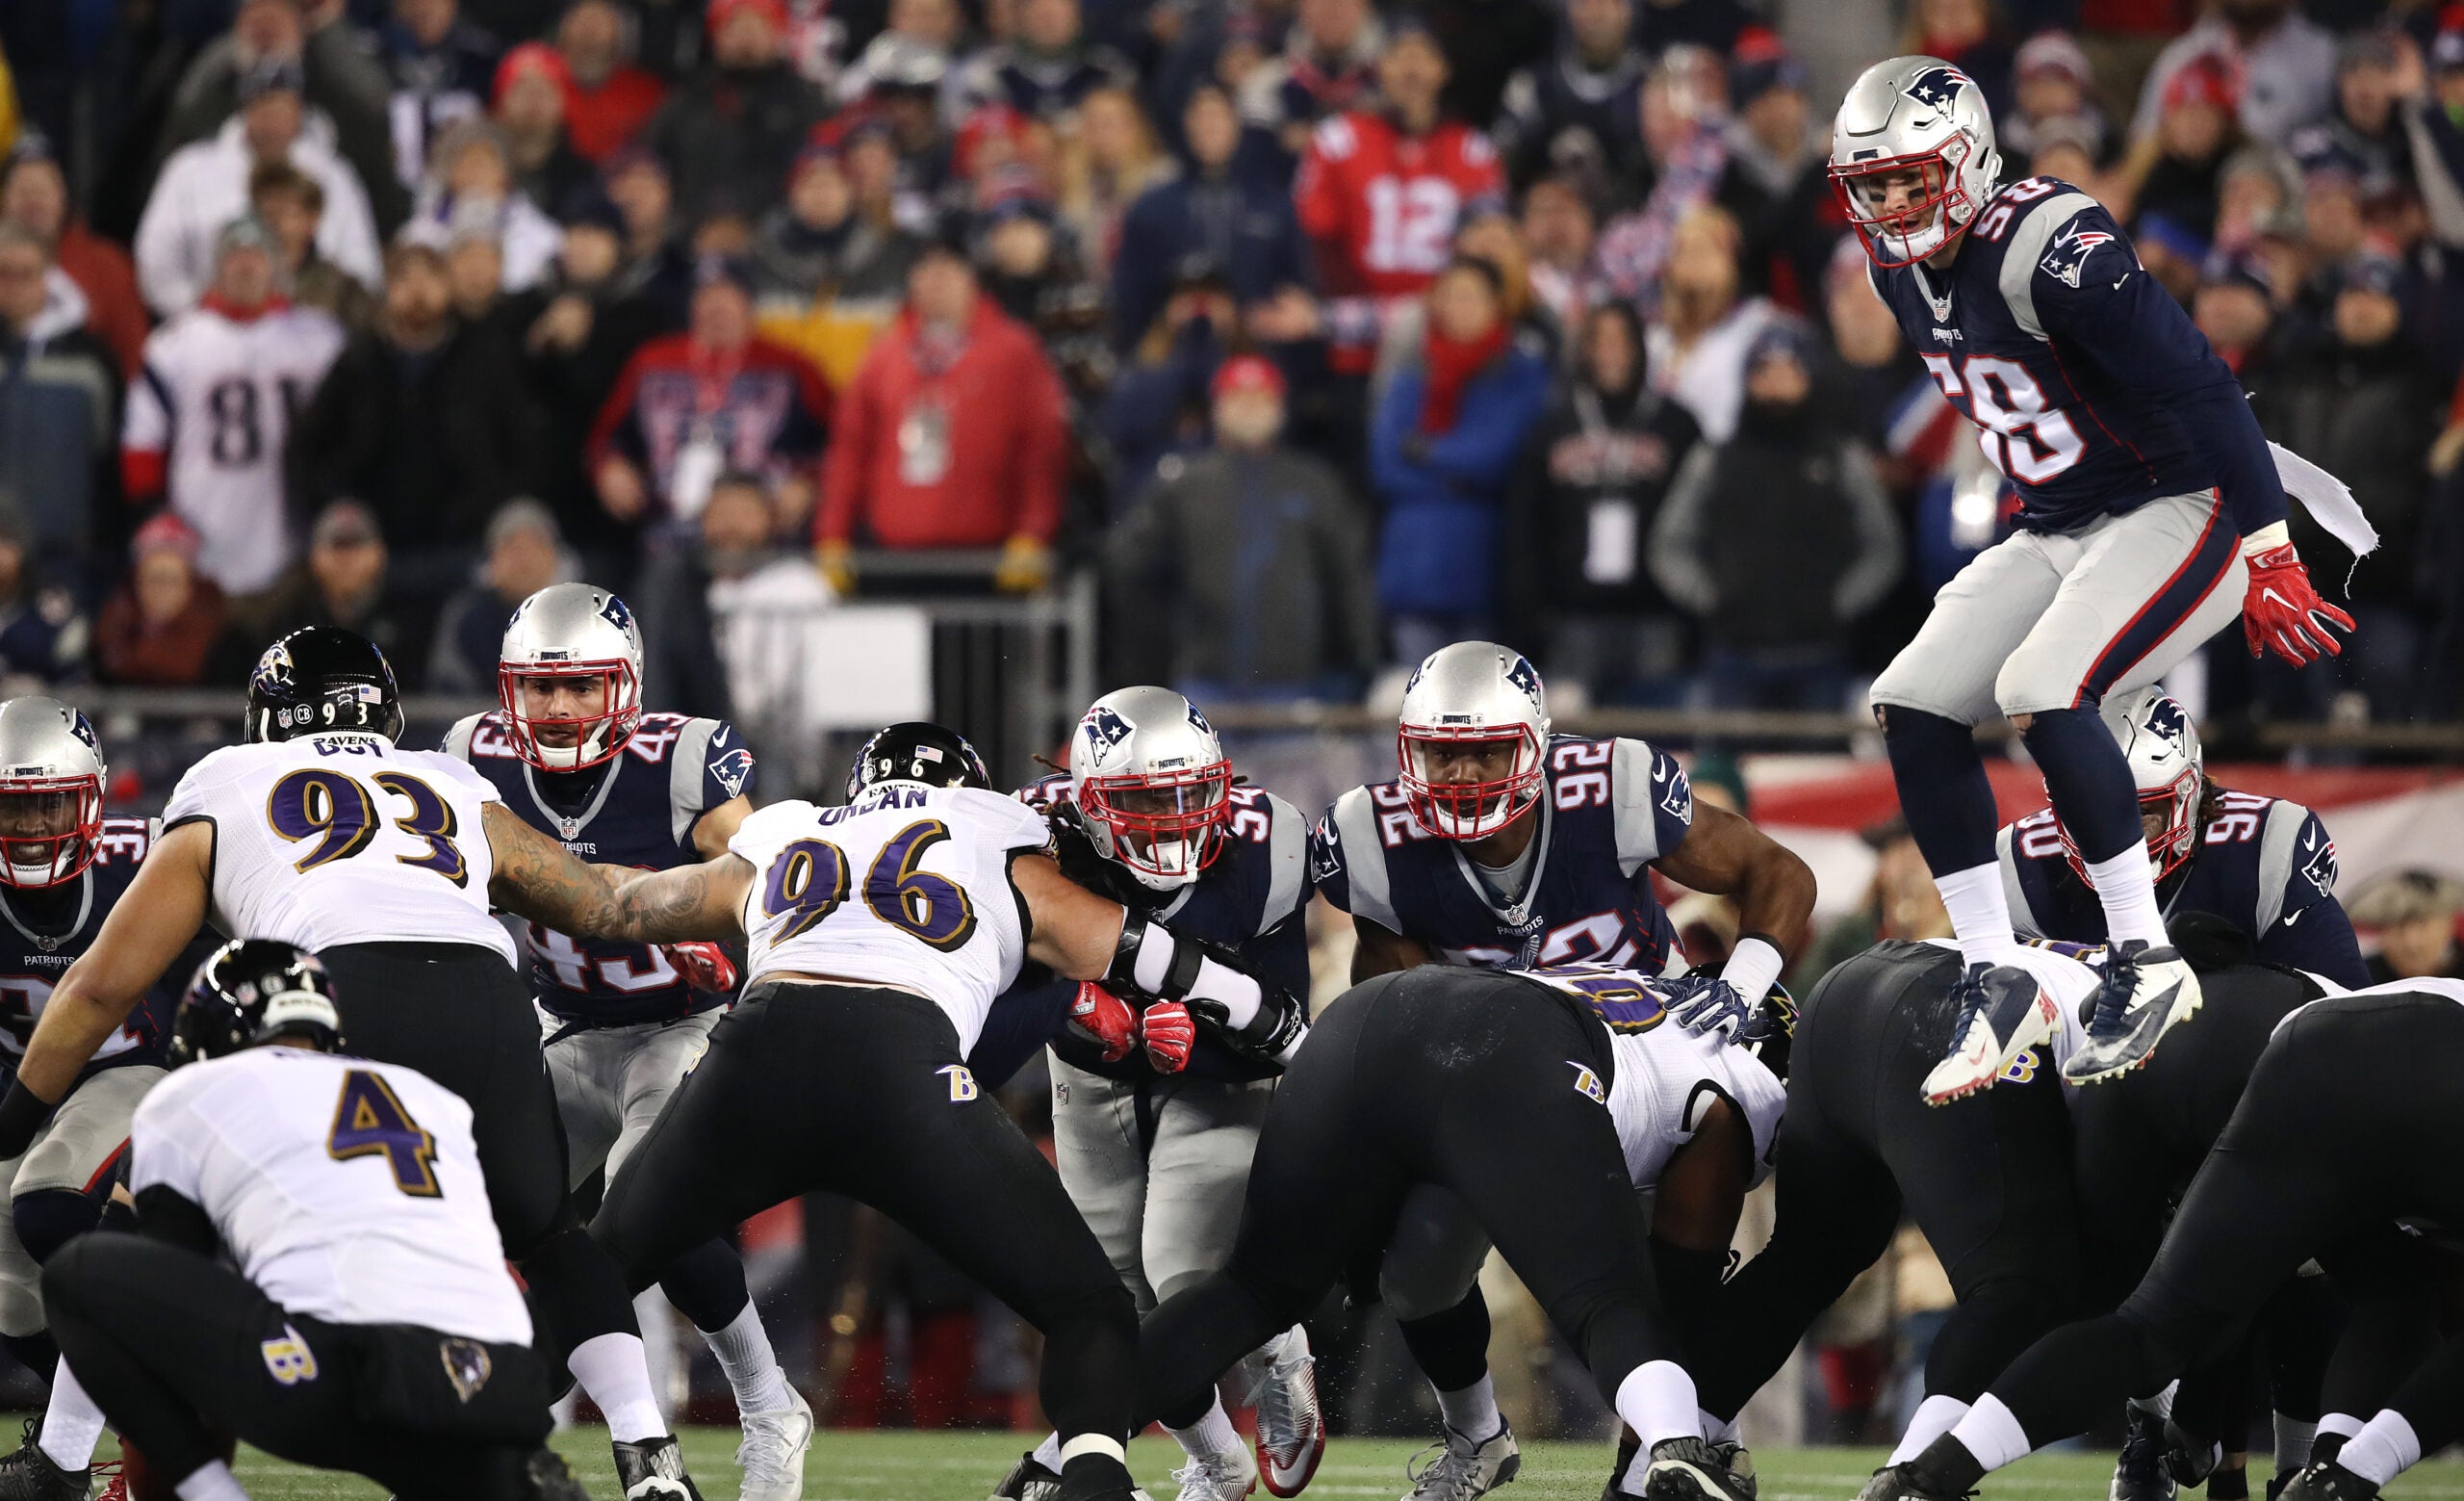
(1251, 899)
(2262, 864)
(43, 932)
(640, 811)
(1608, 809)
(2090, 389)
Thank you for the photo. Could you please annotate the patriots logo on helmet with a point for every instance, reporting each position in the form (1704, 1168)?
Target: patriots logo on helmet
(80, 727)
(2167, 720)
(1197, 722)
(2066, 261)
(1104, 728)
(274, 669)
(1524, 676)
(614, 611)
(1937, 87)
(732, 769)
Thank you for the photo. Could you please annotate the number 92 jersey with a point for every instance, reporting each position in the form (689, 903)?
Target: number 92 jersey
(907, 885)
(2067, 355)
(344, 838)
(1606, 808)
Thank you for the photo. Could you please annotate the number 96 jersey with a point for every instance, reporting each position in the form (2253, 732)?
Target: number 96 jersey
(344, 838)
(907, 885)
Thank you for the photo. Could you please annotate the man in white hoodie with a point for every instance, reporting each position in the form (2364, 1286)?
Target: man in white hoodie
(205, 185)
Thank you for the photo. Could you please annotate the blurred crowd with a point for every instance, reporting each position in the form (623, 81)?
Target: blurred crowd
(1322, 332)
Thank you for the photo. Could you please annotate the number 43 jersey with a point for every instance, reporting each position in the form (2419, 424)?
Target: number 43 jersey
(907, 885)
(2070, 360)
(1606, 810)
(344, 838)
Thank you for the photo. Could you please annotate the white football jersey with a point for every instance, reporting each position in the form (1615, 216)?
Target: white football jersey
(345, 1189)
(216, 397)
(1666, 1076)
(344, 837)
(906, 885)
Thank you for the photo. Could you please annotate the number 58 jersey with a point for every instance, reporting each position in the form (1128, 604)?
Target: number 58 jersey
(908, 886)
(344, 838)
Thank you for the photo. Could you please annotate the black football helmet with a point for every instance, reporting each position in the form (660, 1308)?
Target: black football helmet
(320, 679)
(249, 991)
(918, 751)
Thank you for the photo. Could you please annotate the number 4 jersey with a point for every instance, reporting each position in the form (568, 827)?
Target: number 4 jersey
(2089, 385)
(344, 838)
(908, 886)
(1606, 810)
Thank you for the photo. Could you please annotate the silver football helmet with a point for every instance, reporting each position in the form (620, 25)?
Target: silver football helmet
(1152, 786)
(1473, 735)
(570, 631)
(2161, 743)
(1912, 157)
(51, 792)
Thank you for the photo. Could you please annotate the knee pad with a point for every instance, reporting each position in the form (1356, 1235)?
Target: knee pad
(2035, 678)
(49, 1218)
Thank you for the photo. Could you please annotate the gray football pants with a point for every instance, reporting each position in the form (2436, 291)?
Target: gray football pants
(2042, 621)
(612, 1082)
(70, 1151)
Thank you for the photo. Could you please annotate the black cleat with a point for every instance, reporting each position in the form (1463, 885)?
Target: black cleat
(1690, 1469)
(653, 1470)
(1028, 1480)
(2140, 1473)
(1906, 1483)
(545, 1478)
(2327, 1481)
(31, 1475)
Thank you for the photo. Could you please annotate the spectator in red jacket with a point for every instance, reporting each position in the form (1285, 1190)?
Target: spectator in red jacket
(160, 627)
(718, 397)
(953, 435)
(34, 195)
(608, 98)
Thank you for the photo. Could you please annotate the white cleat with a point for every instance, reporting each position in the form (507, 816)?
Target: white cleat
(2003, 1013)
(1292, 1431)
(1228, 1476)
(772, 1452)
(1464, 1471)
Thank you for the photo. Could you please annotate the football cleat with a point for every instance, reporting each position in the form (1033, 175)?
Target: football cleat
(771, 1452)
(1292, 1431)
(1096, 1478)
(2145, 992)
(2327, 1481)
(1228, 1476)
(31, 1475)
(1693, 1469)
(2003, 1013)
(1028, 1480)
(2140, 1473)
(653, 1470)
(1906, 1483)
(1462, 1470)
(545, 1478)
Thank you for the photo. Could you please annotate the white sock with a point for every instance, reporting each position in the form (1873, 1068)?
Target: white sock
(2126, 889)
(1048, 1453)
(2160, 1403)
(1085, 1444)
(1472, 1411)
(1210, 1435)
(1657, 1400)
(743, 1351)
(1718, 1430)
(1991, 1431)
(1980, 914)
(1933, 1417)
(2385, 1448)
(616, 1372)
(2293, 1443)
(212, 1480)
(71, 1425)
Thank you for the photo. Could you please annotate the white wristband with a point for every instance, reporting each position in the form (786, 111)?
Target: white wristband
(1154, 959)
(1752, 967)
(2274, 533)
(1236, 993)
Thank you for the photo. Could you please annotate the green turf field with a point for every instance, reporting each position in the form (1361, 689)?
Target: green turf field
(911, 1466)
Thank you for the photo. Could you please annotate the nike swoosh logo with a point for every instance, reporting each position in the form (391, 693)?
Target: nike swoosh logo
(2271, 594)
(2310, 843)
(2293, 918)
(2126, 276)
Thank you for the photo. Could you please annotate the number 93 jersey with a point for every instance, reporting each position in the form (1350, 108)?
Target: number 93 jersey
(907, 885)
(344, 838)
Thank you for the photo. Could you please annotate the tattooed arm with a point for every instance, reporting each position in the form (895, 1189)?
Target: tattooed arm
(540, 879)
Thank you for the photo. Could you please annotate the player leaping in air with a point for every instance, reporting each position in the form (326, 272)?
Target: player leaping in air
(2150, 504)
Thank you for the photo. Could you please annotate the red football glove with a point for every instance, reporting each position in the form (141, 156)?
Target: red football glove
(1168, 1032)
(1105, 1020)
(2282, 611)
(705, 967)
